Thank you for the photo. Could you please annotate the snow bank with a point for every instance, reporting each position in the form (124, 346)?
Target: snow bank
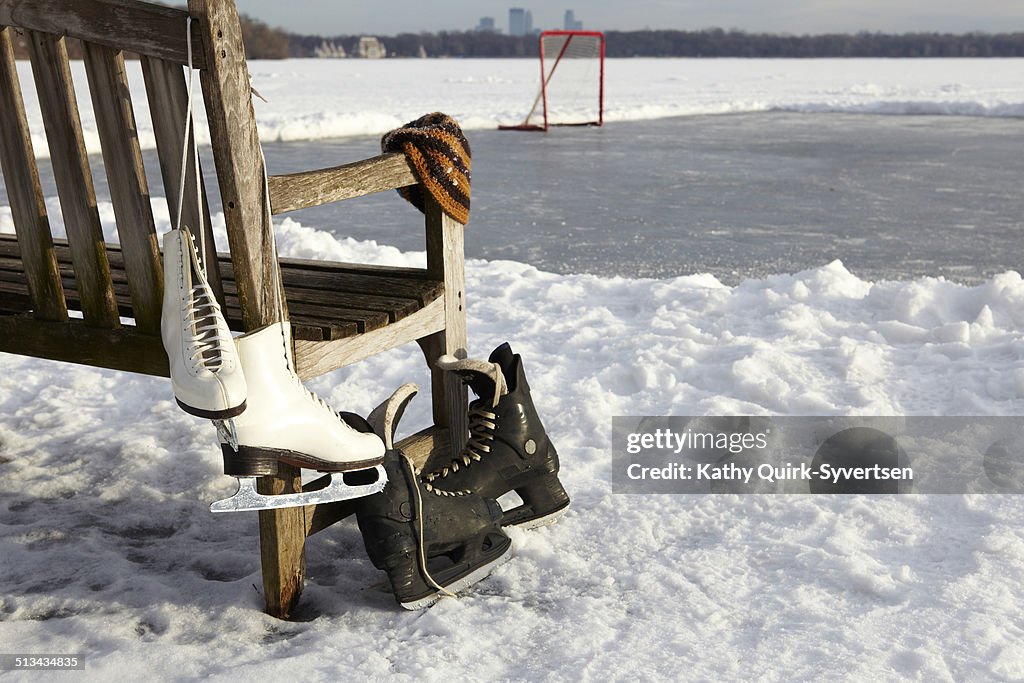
(107, 547)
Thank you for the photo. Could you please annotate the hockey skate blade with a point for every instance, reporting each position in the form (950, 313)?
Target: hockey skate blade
(475, 576)
(511, 518)
(248, 498)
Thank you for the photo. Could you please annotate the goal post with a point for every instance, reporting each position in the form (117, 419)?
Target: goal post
(571, 81)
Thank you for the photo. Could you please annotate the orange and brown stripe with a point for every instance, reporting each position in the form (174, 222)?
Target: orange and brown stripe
(441, 159)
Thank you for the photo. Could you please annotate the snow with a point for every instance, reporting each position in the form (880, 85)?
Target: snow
(107, 547)
(322, 98)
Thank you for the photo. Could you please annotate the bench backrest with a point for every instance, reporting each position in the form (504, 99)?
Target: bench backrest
(157, 34)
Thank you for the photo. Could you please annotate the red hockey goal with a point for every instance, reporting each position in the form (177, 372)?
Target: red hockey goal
(571, 83)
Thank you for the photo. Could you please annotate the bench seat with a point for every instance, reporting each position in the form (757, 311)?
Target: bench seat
(326, 300)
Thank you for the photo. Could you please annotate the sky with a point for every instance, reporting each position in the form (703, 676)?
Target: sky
(388, 17)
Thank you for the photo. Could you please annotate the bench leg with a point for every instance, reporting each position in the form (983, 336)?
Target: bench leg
(282, 544)
(447, 392)
(446, 261)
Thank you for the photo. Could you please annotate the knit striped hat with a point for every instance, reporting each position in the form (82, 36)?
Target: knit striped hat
(439, 154)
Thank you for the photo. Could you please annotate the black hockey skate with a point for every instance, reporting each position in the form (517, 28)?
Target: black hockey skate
(430, 545)
(508, 448)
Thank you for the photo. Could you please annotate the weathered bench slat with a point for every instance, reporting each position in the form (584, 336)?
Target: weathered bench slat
(72, 342)
(126, 176)
(328, 301)
(28, 208)
(319, 300)
(168, 104)
(310, 321)
(73, 177)
(295, 191)
(315, 327)
(317, 317)
(239, 161)
(301, 272)
(423, 291)
(123, 24)
(14, 299)
(318, 266)
(328, 307)
(312, 360)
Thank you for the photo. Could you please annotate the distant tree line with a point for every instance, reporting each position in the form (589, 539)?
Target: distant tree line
(707, 43)
(262, 41)
(719, 43)
(265, 42)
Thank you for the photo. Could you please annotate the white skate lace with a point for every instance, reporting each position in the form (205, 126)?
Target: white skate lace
(210, 348)
(210, 343)
(324, 405)
(310, 396)
(201, 256)
(482, 423)
(422, 541)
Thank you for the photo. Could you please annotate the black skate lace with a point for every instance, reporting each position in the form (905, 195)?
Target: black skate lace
(482, 424)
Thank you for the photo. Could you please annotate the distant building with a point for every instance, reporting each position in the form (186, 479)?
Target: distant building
(330, 50)
(486, 25)
(571, 23)
(520, 22)
(371, 48)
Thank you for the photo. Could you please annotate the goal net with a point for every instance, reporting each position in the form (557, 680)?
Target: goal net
(572, 81)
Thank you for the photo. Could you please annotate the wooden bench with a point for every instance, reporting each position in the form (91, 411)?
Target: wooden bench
(84, 301)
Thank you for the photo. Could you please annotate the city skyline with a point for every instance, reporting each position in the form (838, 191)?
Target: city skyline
(389, 17)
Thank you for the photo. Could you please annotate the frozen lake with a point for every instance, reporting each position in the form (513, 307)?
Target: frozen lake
(738, 196)
(738, 168)
(734, 195)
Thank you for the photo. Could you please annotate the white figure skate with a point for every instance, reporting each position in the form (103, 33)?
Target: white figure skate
(285, 422)
(206, 376)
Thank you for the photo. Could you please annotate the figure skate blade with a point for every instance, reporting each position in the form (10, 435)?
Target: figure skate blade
(248, 498)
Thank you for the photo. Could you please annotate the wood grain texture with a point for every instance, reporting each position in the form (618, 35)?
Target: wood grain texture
(167, 93)
(72, 342)
(240, 174)
(325, 266)
(25, 194)
(126, 178)
(237, 155)
(367, 282)
(317, 358)
(282, 544)
(317, 312)
(313, 188)
(446, 261)
(73, 177)
(145, 28)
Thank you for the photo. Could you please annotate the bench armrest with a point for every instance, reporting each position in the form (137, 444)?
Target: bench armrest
(295, 191)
